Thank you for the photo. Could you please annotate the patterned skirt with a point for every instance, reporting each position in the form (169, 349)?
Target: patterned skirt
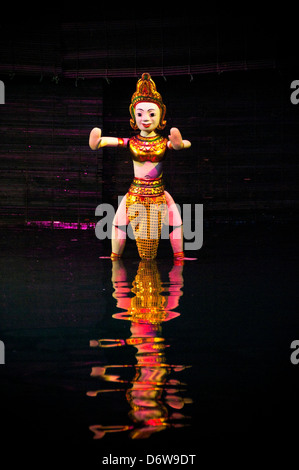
(146, 209)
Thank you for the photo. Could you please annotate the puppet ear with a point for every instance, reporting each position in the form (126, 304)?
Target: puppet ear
(132, 120)
(162, 122)
(94, 138)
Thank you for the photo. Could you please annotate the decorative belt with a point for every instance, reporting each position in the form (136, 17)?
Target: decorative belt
(143, 187)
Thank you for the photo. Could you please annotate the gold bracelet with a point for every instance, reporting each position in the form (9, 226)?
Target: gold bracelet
(179, 255)
(171, 146)
(114, 256)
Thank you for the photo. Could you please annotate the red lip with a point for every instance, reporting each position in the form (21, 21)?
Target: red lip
(146, 125)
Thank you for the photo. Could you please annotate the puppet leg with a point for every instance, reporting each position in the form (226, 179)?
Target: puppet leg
(176, 235)
(119, 230)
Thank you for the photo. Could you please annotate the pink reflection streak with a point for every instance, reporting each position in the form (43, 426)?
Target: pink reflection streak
(61, 225)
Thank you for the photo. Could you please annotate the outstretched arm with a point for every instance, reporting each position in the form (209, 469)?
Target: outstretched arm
(175, 140)
(96, 140)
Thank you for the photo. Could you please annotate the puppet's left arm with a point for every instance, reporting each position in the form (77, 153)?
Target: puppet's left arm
(176, 141)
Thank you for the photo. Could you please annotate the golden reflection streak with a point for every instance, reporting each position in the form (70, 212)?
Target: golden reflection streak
(152, 395)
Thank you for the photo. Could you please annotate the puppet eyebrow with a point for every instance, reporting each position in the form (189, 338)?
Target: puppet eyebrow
(141, 109)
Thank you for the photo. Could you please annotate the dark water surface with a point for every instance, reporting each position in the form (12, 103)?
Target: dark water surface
(138, 358)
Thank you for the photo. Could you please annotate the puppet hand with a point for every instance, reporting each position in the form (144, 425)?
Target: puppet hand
(95, 138)
(175, 138)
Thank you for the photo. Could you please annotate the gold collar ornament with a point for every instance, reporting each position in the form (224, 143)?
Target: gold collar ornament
(146, 91)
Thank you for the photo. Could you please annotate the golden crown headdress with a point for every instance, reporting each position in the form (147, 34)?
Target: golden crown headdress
(146, 91)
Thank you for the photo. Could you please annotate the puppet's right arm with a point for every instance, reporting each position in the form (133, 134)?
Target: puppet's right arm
(96, 140)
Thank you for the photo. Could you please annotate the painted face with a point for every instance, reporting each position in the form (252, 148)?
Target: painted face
(147, 116)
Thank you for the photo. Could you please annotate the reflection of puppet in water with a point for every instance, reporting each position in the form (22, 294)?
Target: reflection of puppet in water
(151, 393)
(146, 204)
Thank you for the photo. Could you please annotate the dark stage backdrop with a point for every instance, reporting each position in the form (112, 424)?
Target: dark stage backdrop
(48, 172)
(226, 85)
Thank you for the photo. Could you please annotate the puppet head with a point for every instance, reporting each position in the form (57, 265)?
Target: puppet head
(146, 92)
